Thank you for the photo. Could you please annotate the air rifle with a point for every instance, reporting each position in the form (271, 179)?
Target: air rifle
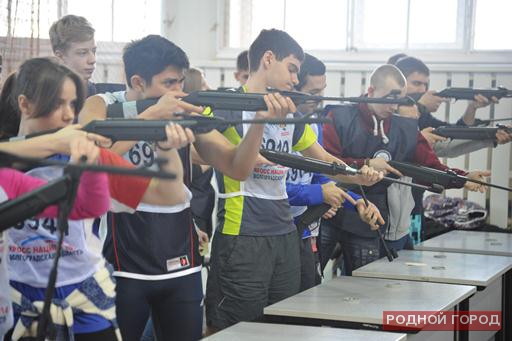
(229, 100)
(479, 122)
(27, 206)
(154, 130)
(433, 176)
(314, 213)
(308, 164)
(470, 93)
(470, 133)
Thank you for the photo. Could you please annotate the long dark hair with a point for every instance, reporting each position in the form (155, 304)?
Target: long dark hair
(40, 80)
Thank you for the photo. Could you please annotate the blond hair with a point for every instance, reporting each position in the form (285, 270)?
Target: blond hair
(70, 29)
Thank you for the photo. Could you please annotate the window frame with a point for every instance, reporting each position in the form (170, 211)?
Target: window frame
(463, 53)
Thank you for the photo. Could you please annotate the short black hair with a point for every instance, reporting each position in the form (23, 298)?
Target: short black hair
(410, 65)
(394, 58)
(311, 66)
(279, 42)
(242, 61)
(151, 55)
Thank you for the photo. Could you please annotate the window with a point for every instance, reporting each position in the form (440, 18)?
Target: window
(493, 27)
(376, 24)
(113, 20)
(403, 24)
(119, 20)
(299, 18)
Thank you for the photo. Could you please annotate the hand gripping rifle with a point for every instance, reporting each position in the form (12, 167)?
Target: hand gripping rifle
(308, 164)
(317, 166)
(470, 133)
(154, 130)
(436, 177)
(229, 100)
(61, 191)
(470, 93)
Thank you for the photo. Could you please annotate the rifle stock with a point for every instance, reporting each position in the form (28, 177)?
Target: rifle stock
(470, 93)
(317, 166)
(120, 129)
(434, 176)
(470, 133)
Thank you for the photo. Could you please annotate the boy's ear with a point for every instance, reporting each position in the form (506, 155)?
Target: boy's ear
(59, 54)
(137, 83)
(371, 91)
(24, 105)
(267, 59)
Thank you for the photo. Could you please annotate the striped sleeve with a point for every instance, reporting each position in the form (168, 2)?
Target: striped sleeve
(303, 137)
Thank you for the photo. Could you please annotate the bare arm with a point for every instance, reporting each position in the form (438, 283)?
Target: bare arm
(170, 192)
(238, 161)
(46, 145)
(95, 108)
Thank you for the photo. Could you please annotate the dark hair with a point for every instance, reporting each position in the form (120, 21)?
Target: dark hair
(410, 65)
(279, 42)
(311, 66)
(40, 80)
(70, 29)
(242, 61)
(394, 58)
(151, 55)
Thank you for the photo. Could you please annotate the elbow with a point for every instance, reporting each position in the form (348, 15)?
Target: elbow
(240, 175)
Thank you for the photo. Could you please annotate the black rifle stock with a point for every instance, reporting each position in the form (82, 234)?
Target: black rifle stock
(470, 93)
(229, 100)
(433, 176)
(317, 166)
(470, 133)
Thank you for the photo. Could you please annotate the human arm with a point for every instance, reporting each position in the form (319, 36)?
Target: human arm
(237, 158)
(95, 108)
(425, 156)
(480, 101)
(49, 144)
(92, 197)
(368, 177)
(132, 190)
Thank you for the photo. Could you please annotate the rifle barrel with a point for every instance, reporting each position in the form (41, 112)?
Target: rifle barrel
(487, 184)
(318, 166)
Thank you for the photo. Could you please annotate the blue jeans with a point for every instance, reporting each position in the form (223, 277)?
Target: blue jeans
(357, 251)
(404, 243)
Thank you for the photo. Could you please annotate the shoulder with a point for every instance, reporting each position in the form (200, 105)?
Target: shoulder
(342, 110)
(405, 122)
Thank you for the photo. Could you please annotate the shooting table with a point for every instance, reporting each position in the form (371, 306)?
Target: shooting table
(483, 271)
(484, 243)
(250, 331)
(359, 303)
